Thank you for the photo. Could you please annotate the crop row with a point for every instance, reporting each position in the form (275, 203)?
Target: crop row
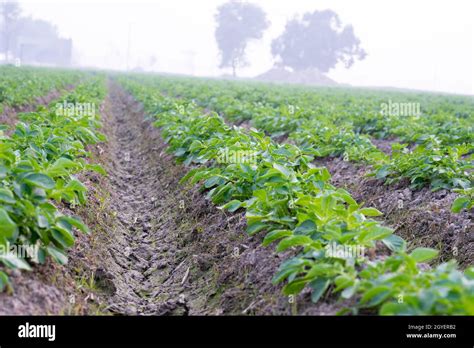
(293, 203)
(39, 162)
(283, 109)
(439, 148)
(20, 86)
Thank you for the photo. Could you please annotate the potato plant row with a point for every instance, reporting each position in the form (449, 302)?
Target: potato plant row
(21, 86)
(39, 164)
(337, 246)
(434, 148)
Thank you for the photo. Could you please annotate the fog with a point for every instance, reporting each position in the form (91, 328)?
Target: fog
(415, 44)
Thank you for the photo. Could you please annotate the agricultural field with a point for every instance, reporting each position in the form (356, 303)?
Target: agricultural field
(143, 194)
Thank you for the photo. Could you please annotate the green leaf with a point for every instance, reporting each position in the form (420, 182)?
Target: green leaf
(395, 308)
(179, 152)
(375, 296)
(6, 196)
(8, 227)
(349, 291)
(188, 175)
(275, 235)
(370, 212)
(57, 255)
(282, 275)
(282, 169)
(346, 197)
(63, 236)
(4, 282)
(96, 168)
(61, 166)
(383, 172)
(212, 181)
(423, 254)
(395, 243)
(377, 233)
(42, 221)
(232, 205)
(294, 287)
(40, 180)
(319, 286)
(293, 241)
(459, 204)
(256, 227)
(12, 261)
(76, 222)
(306, 227)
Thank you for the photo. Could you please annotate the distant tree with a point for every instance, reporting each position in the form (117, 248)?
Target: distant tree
(9, 13)
(36, 29)
(317, 40)
(237, 24)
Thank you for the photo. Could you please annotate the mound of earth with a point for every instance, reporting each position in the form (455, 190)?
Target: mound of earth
(312, 77)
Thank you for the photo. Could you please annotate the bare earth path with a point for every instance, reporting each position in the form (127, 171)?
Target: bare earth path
(168, 251)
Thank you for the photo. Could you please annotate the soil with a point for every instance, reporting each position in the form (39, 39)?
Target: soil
(384, 145)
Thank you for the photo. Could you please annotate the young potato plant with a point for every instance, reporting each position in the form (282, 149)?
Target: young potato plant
(330, 140)
(428, 164)
(465, 200)
(38, 167)
(294, 205)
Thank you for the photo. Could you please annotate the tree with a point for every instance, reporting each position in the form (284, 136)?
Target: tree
(9, 13)
(237, 24)
(317, 40)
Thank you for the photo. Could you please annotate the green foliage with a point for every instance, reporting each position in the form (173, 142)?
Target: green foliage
(20, 86)
(429, 164)
(292, 203)
(342, 122)
(38, 167)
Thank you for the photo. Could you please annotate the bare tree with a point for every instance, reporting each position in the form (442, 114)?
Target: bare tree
(9, 13)
(237, 23)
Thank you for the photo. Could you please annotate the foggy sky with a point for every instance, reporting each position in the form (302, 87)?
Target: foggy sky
(419, 44)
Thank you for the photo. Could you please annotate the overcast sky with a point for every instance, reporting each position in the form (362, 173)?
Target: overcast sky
(420, 44)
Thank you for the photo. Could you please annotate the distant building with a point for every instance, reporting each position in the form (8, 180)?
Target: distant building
(49, 51)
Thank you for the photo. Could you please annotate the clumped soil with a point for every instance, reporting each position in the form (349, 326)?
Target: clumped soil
(157, 247)
(422, 217)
